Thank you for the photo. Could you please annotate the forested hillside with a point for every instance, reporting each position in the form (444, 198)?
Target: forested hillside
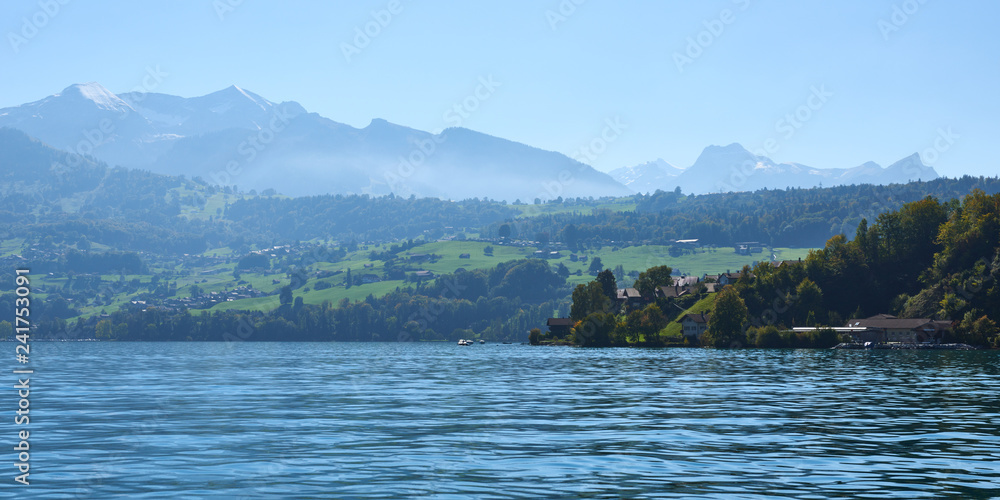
(929, 259)
(105, 241)
(793, 217)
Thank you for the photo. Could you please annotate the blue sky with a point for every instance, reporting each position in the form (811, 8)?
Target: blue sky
(827, 84)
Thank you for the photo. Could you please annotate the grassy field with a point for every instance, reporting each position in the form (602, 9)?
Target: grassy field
(703, 261)
(706, 304)
(631, 258)
(531, 210)
(11, 246)
(450, 251)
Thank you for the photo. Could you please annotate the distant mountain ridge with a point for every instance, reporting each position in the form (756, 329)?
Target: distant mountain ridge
(236, 137)
(648, 177)
(733, 168)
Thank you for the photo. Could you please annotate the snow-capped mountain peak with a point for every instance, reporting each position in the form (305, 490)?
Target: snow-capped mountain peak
(97, 94)
(647, 177)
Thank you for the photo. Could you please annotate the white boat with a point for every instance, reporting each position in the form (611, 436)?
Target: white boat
(464, 342)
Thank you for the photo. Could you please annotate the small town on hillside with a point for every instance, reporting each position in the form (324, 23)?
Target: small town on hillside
(878, 329)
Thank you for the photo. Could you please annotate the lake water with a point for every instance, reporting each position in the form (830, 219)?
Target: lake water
(318, 420)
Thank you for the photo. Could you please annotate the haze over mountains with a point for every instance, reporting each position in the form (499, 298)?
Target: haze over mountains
(733, 168)
(236, 137)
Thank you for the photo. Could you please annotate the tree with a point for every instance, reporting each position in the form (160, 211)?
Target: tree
(570, 235)
(104, 329)
(562, 270)
(253, 261)
(653, 277)
(588, 299)
(595, 266)
(767, 336)
(633, 326)
(595, 330)
(976, 329)
(533, 336)
(530, 279)
(607, 280)
(619, 273)
(809, 302)
(347, 279)
(195, 291)
(285, 297)
(504, 231)
(651, 322)
(725, 325)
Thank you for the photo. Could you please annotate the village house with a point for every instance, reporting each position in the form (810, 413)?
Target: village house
(888, 328)
(686, 281)
(729, 278)
(748, 247)
(631, 297)
(690, 244)
(669, 292)
(418, 257)
(779, 263)
(693, 325)
(559, 327)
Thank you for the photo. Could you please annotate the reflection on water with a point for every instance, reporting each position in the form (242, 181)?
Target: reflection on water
(261, 420)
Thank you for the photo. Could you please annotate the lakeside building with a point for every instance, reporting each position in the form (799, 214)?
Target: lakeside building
(559, 327)
(889, 328)
(693, 325)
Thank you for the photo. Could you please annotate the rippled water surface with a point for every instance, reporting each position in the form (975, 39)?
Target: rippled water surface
(304, 420)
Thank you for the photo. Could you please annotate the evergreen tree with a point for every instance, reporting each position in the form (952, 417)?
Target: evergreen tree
(608, 284)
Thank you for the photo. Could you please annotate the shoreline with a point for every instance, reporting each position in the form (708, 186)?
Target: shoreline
(896, 346)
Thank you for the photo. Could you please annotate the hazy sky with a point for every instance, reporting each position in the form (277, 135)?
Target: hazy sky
(828, 84)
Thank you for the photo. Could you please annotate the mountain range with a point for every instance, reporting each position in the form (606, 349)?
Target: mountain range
(732, 168)
(236, 137)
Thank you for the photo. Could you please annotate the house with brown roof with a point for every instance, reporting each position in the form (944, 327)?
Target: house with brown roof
(904, 330)
(559, 327)
(670, 292)
(780, 263)
(693, 325)
(631, 297)
(729, 278)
